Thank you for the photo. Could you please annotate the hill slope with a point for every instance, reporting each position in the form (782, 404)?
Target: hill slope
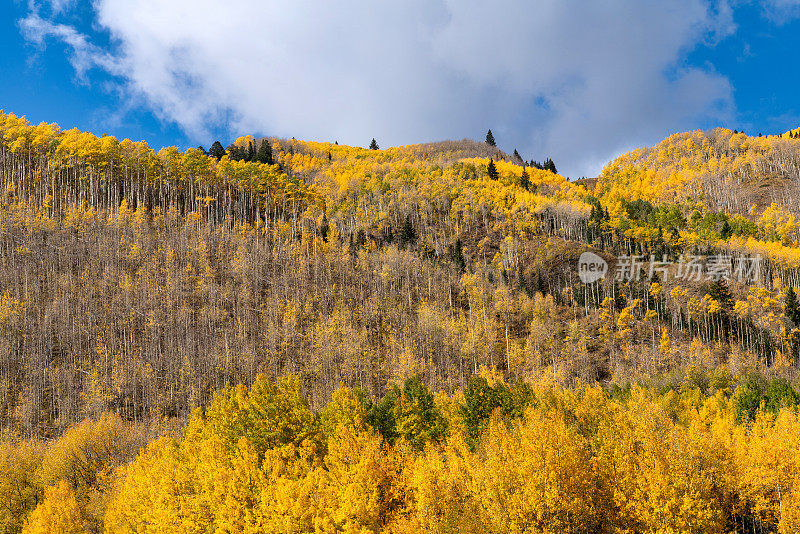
(272, 327)
(142, 282)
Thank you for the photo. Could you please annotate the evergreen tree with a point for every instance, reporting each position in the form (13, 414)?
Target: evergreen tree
(540, 286)
(491, 170)
(373, 145)
(620, 300)
(791, 307)
(324, 227)
(490, 139)
(480, 400)
(408, 235)
(380, 416)
(251, 152)
(719, 291)
(525, 181)
(550, 166)
(236, 153)
(518, 157)
(725, 232)
(203, 150)
(216, 150)
(264, 154)
(458, 255)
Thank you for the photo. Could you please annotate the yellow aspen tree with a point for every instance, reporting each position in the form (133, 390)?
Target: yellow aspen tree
(665, 347)
(58, 512)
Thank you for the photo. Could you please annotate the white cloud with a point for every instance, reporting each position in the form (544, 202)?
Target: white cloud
(578, 81)
(84, 55)
(781, 11)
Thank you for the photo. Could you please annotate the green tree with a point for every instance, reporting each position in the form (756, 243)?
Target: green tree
(725, 231)
(373, 144)
(408, 235)
(481, 399)
(270, 414)
(237, 153)
(491, 170)
(264, 154)
(780, 394)
(380, 416)
(490, 139)
(417, 417)
(525, 181)
(791, 308)
(719, 291)
(458, 255)
(216, 150)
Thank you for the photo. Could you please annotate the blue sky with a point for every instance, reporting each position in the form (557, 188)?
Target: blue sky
(576, 81)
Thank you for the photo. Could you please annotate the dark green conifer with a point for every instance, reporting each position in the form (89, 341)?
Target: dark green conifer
(525, 181)
(264, 154)
(791, 307)
(491, 170)
(490, 139)
(216, 150)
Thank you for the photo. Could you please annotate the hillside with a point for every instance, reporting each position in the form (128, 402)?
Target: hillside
(347, 264)
(335, 285)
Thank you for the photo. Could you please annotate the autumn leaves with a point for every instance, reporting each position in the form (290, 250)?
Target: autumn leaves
(493, 458)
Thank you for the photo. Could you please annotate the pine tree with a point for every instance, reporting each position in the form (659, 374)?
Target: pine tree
(408, 235)
(236, 153)
(251, 152)
(490, 139)
(491, 170)
(458, 255)
(518, 157)
(525, 181)
(264, 154)
(791, 307)
(373, 145)
(216, 150)
(540, 286)
(324, 227)
(719, 291)
(725, 231)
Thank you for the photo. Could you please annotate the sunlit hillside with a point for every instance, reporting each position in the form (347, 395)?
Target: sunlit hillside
(296, 336)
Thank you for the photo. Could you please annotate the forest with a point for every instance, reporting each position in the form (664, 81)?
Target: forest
(296, 336)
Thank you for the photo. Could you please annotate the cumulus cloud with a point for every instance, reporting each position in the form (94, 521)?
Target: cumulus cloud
(578, 81)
